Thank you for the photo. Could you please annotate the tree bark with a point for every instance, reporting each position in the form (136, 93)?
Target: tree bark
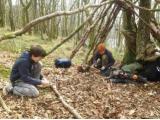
(11, 16)
(143, 32)
(2, 13)
(25, 14)
(31, 24)
(34, 14)
(129, 32)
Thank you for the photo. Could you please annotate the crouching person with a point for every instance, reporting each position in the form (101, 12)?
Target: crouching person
(26, 73)
(103, 58)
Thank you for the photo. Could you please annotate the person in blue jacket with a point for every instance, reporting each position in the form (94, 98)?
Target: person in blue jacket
(26, 73)
(103, 58)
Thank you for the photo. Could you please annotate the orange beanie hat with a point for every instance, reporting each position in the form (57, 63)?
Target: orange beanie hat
(101, 48)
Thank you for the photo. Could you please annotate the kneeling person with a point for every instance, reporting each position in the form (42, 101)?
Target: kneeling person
(26, 73)
(103, 58)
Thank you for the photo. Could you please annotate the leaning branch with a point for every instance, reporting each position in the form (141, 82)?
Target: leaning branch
(143, 8)
(73, 33)
(155, 31)
(47, 17)
(65, 104)
(85, 36)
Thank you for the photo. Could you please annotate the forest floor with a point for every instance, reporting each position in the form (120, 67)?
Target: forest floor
(89, 93)
(92, 95)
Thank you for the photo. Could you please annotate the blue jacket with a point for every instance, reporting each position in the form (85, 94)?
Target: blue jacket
(111, 60)
(21, 70)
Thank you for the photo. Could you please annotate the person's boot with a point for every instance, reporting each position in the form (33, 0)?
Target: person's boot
(8, 89)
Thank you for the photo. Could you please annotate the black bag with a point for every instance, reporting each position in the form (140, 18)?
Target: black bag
(152, 70)
(62, 63)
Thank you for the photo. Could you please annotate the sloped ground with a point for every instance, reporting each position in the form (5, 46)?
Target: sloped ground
(89, 93)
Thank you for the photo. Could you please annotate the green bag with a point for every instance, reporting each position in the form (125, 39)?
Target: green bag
(132, 68)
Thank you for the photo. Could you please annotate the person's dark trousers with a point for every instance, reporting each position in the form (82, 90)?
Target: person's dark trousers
(102, 62)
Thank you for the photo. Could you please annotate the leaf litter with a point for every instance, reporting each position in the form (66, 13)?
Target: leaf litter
(89, 93)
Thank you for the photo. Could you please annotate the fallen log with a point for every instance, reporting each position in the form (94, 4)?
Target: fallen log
(65, 104)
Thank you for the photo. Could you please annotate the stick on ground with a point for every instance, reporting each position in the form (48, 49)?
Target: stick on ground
(4, 105)
(65, 104)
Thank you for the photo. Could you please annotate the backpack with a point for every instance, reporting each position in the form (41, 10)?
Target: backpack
(62, 63)
(151, 70)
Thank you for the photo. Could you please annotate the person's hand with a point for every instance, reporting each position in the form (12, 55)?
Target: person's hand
(45, 82)
(102, 68)
(44, 79)
(95, 65)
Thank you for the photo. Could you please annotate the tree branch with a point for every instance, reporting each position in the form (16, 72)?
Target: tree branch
(143, 8)
(101, 36)
(73, 33)
(86, 34)
(97, 34)
(47, 17)
(65, 104)
(155, 31)
(4, 105)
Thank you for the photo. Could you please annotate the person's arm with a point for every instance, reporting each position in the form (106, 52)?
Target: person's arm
(111, 62)
(95, 58)
(25, 74)
(41, 65)
(41, 77)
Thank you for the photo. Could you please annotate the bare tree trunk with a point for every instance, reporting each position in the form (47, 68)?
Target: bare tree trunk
(143, 32)
(11, 16)
(53, 27)
(129, 32)
(48, 17)
(2, 13)
(91, 36)
(25, 14)
(34, 13)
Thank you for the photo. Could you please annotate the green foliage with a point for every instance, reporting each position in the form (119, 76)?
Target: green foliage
(129, 57)
(4, 72)
(21, 43)
(118, 55)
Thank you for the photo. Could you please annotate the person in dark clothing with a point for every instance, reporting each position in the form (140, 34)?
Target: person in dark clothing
(103, 58)
(26, 73)
(151, 70)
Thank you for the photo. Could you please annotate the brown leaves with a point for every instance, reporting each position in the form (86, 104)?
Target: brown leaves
(83, 68)
(91, 95)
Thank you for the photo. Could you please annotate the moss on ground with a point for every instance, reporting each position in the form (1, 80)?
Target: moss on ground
(4, 72)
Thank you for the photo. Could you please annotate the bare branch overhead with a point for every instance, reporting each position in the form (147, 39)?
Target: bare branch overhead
(49, 16)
